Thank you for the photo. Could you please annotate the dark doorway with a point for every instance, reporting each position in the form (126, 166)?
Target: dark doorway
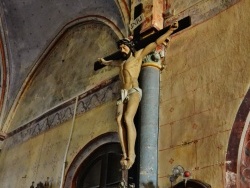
(102, 168)
(191, 183)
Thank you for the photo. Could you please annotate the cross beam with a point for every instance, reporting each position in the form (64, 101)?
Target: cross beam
(141, 43)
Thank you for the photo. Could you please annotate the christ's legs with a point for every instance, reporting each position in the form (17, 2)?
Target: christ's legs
(132, 106)
(122, 134)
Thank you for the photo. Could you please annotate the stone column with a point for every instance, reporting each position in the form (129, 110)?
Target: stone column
(149, 120)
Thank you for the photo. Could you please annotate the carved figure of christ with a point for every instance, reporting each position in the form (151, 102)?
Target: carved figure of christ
(130, 66)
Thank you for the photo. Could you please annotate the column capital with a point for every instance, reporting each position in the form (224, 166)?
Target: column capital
(153, 59)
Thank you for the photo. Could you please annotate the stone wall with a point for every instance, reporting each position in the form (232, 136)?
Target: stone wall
(64, 94)
(204, 82)
(42, 156)
(202, 87)
(67, 71)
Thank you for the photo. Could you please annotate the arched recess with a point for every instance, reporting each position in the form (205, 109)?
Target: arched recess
(44, 70)
(89, 153)
(192, 183)
(238, 151)
(124, 10)
(3, 76)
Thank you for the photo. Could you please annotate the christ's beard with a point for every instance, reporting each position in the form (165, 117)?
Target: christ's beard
(126, 56)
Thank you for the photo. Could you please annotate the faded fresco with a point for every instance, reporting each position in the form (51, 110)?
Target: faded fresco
(67, 71)
(244, 164)
(205, 80)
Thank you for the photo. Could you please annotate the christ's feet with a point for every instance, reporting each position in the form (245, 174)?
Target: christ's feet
(130, 161)
(124, 162)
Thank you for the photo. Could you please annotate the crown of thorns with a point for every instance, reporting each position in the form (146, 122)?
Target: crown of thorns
(126, 42)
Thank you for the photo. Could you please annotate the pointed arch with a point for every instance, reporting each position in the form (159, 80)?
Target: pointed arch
(3, 74)
(51, 46)
(84, 153)
(237, 142)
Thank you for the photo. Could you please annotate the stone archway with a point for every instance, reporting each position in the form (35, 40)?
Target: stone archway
(85, 153)
(238, 156)
(3, 74)
(243, 164)
(192, 183)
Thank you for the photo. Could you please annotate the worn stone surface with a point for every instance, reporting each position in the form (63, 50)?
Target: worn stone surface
(205, 81)
(41, 126)
(42, 156)
(202, 87)
(66, 71)
(177, 155)
(238, 161)
(30, 27)
(57, 116)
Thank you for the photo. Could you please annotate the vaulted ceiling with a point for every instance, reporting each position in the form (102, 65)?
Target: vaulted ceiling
(29, 28)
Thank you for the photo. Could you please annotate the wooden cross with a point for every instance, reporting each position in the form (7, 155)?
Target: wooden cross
(141, 43)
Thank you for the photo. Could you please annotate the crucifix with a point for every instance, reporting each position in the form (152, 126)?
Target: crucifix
(129, 57)
(139, 43)
(130, 67)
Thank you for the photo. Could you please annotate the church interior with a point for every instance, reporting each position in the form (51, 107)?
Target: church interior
(58, 103)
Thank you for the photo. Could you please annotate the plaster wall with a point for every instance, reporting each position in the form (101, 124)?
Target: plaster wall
(67, 71)
(40, 127)
(31, 25)
(43, 156)
(205, 80)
